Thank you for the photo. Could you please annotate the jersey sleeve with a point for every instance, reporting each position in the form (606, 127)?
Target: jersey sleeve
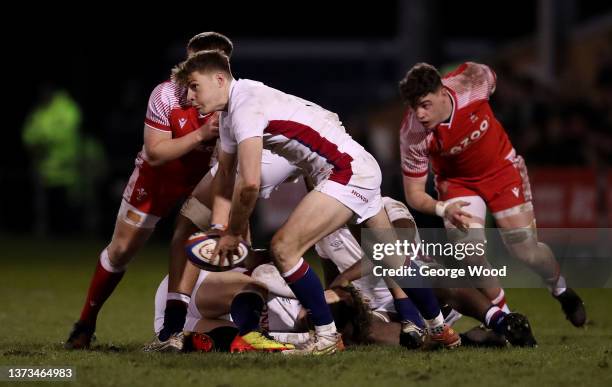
(489, 77)
(471, 82)
(248, 120)
(159, 107)
(414, 147)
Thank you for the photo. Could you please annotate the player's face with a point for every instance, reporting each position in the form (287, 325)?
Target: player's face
(206, 91)
(432, 109)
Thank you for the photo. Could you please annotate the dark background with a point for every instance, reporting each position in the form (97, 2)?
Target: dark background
(346, 58)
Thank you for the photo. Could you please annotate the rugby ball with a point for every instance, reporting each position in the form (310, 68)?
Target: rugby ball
(200, 247)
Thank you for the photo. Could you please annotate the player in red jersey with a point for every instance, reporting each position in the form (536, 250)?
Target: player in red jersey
(178, 144)
(450, 123)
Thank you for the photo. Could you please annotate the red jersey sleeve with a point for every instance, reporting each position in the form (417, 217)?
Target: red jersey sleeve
(471, 82)
(490, 79)
(159, 107)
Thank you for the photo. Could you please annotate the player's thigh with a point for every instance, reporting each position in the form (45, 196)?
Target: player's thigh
(215, 294)
(127, 240)
(203, 191)
(475, 234)
(477, 208)
(182, 275)
(316, 216)
(183, 228)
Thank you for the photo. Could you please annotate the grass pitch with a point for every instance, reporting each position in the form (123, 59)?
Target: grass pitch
(43, 284)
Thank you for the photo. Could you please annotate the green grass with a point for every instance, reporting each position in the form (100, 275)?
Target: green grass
(43, 284)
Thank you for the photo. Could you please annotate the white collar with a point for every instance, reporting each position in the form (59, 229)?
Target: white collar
(454, 107)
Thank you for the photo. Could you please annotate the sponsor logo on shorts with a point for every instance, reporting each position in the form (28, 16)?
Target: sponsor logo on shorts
(516, 191)
(336, 244)
(360, 196)
(140, 194)
(182, 122)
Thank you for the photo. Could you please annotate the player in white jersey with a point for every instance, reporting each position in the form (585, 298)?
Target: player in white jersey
(344, 251)
(347, 178)
(275, 171)
(178, 144)
(196, 209)
(195, 214)
(211, 317)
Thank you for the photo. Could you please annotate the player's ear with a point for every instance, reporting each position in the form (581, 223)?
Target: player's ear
(219, 78)
(222, 78)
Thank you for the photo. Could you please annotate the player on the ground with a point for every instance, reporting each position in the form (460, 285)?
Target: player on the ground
(225, 306)
(348, 179)
(196, 215)
(178, 143)
(225, 299)
(449, 123)
(341, 248)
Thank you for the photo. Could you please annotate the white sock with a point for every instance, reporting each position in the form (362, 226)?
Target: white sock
(179, 297)
(108, 265)
(326, 330)
(435, 325)
(293, 269)
(560, 288)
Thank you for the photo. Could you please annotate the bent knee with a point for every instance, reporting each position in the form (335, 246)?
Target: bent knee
(282, 248)
(121, 253)
(256, 288)
(526, 252)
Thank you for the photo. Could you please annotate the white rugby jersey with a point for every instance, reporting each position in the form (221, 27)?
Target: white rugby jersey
(300, 131)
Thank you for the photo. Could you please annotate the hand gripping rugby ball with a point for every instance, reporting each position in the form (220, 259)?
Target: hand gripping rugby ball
(199, 249)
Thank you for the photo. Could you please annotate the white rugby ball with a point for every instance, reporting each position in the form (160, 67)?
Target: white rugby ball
(199, 249)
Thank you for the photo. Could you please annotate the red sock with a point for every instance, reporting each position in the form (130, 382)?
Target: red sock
(101, 287)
